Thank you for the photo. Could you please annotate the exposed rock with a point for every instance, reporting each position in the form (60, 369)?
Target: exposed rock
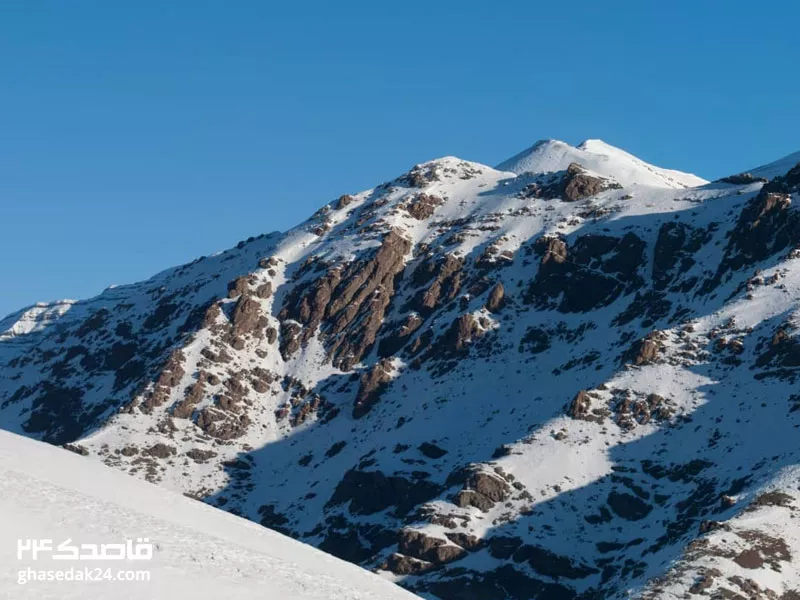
(571, 185)
(465, 540)
(370, 492)
(343, 201)
(399, 336)
(496, 299)
(349, 303)
(578, 184)
(628, 506)
(580, 405)
(594, 273)
(766, 226)
(482, 490)
(418, 545)
(373, 384)
(644, 351)
(444, 278)
(199, 455)
(238, 286)
(462, 331)
(674, 251)
(400, 564)
(247, 316)
(160, 450)
(432, 450)
(422, 206)
(264, 290)
(742, 179)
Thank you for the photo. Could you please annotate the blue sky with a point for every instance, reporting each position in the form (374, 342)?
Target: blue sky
(135, 136)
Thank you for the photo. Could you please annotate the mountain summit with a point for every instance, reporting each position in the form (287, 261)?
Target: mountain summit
(548, 156)
(572, 376)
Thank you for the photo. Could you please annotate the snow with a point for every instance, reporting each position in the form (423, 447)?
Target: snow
(511, 397)
(199, 552)
(779, 167)
(553, 155)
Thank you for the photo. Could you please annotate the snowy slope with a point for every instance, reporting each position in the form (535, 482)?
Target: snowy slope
(553, 155)
(778, 167)
(200, 552)
(570, 377)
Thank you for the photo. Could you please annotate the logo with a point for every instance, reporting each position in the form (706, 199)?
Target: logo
(140, 549)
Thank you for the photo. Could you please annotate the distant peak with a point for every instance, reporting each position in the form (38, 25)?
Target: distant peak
(597, 146)
(551, 155)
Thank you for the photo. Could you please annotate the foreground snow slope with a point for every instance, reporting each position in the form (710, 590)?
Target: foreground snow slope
(200, 552)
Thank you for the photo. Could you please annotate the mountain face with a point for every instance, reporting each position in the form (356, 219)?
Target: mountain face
(572, 376)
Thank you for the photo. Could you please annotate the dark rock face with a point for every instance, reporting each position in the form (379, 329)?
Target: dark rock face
(578, 184)
(571, 185)
(373, 384)
(742, 179)
(422, 206)
(628, 506)
(432, 450)
(160, 451)
(247, 316)
(580, 405)
(674, 252)
(343, 201)
(767, 225)
(349, 303)
(783, 350)
(462, 331)
(482, 490)
(370, 492)
(434, 550)
(399, 335)
(644, 351)
(400, 564)
(591, 274)
(443, 280)
(57, 414)
(496, 299)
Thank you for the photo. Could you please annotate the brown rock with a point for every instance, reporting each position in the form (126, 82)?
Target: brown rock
(422, 206)
(373, 384)
(496, 299)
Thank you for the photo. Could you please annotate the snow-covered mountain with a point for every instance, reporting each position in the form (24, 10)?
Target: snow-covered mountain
(572, 376)
(197, 551)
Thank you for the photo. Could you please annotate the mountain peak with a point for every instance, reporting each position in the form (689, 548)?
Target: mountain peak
(551, 155)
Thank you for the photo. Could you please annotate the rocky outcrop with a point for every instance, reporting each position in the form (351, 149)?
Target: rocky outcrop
(482, 490)
(247, 316)
(422, 206)
(766, 226)
(644, 351)
(399, 335)
(442, 280)
(370, 492)
(674, 253)
(742, 179)
(462, 331)
(423, 547)
(574, 184)
(580, 406)
(497, 298)
(348, 303)
(591, 274)
(373, 384)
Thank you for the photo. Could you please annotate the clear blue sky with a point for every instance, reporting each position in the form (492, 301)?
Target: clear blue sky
(139, 135)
